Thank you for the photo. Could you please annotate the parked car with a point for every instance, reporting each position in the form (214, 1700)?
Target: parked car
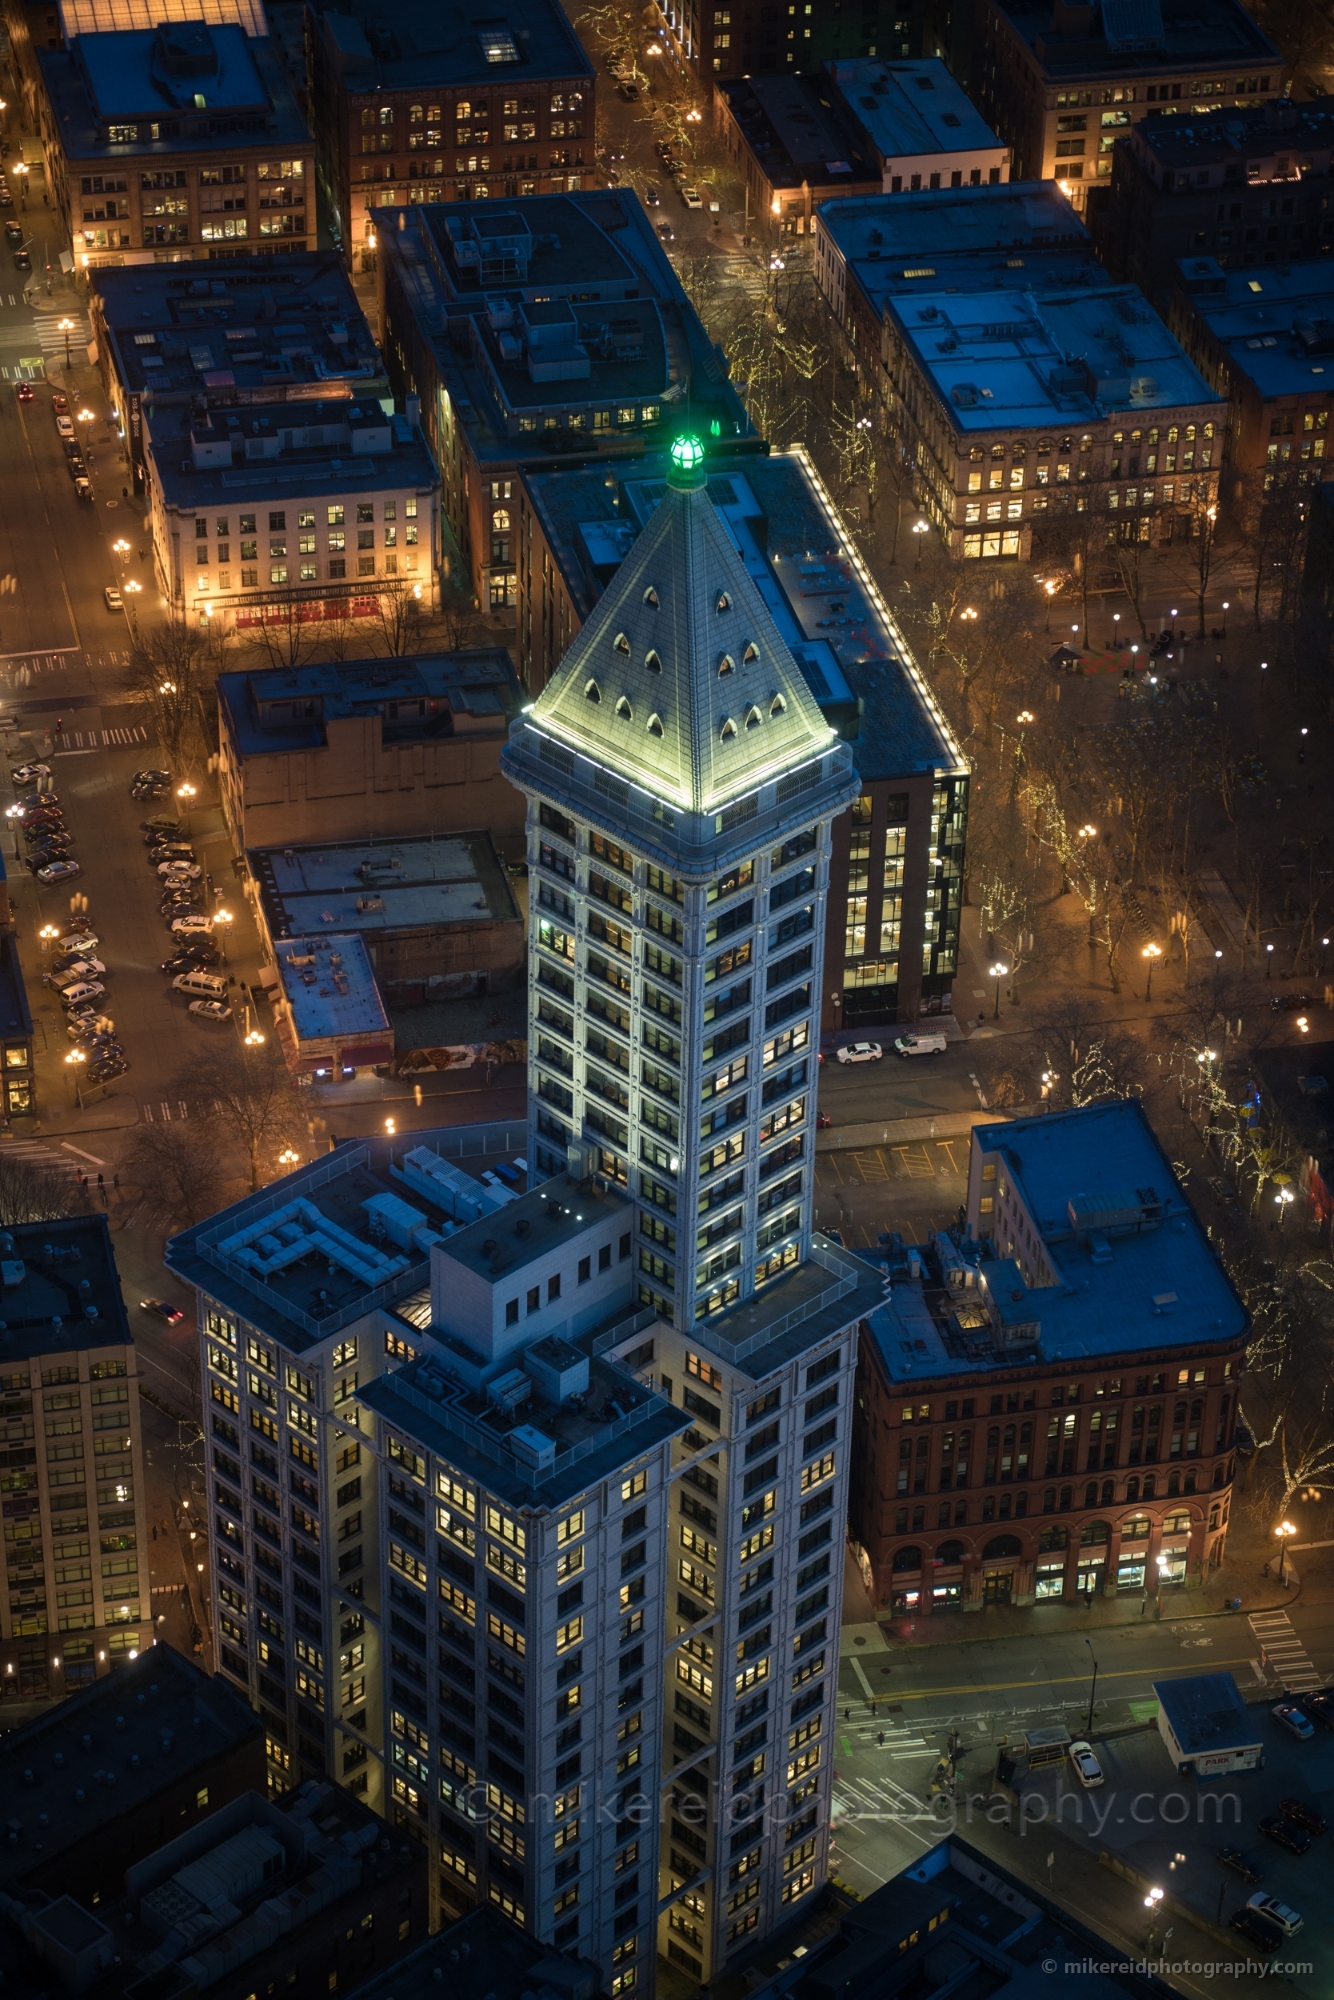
(860, 1052)
(1282, 1914)
(691, 197)
(59, 871)
(1318, 1706)
(111, 596)
(1258, 1930)
(195, 958)
(79, 940)
(106, 1070)
(191, 926)
(1240, 1863)
(74, 975)
(13, 234)
(152, 776)
(1291, 1718)
(162, 1309)
(65, 426)
(1303, 1815)
(179, 871)
(920, 1045)
(630, 92)
(83, 489)
(79, 996)
(60, 403)
(28, 774)
(161, 827)
(1284, 1833)
(211, 1010)
(1087, 1768)
(22, 260)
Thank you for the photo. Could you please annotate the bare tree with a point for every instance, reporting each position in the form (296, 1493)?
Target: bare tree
(255, 1101)
(169, 668)
(1134, 558)
(1202, 550)
(178, 1168)
(396, 624)
(1086, 1058)
(31, 1192)
(289, 629)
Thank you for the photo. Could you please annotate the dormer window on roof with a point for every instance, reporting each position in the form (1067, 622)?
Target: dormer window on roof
(621, 643)
(653, 662)
(592, 692)
(753, 717)
(498, 44)
(777, 705)
(624, 710)
(752, 652)
(724, 602)
(651, 598)
(655, 725)
(727, 731)
(726, 665)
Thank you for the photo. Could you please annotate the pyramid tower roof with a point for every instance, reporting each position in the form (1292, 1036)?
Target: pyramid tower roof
(680, 680)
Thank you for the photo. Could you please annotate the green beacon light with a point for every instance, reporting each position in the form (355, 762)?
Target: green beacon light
(687, 462)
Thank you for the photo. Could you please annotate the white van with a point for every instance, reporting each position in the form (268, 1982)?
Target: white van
(201, 985)
(77, 996)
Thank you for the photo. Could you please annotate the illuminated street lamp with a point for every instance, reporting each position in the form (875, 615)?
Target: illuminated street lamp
(289, 1158)
(48, 935)
(1151, 953)
(21, 173)
(1285, 1531)
(75, 1059)
(222, 918)
(121, 547)
(998, 972)
(1225, 612)
(14, 814)
(66, 326)
(187, 791)
(1050, 588)
(391, 1127)
(1285, 1198)
(85, 416)
(919, 528)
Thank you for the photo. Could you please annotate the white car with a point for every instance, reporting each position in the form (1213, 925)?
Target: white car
(28, 774)
(195, 926)
(1278, 1913)
(1087, 1768)
(59, 871)
(1293, 1721)
(211, 1010)
(77, 941)
(919, 1045)
(179, 871)
(855, 1052)
(74, 975)
(82, 995)
(691, 197)
(111, 596)
(64, 427)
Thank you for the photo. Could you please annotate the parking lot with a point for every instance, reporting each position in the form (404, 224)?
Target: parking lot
(1168, 1829)
(913, 1188)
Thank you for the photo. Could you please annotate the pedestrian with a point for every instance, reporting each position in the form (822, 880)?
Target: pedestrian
(880, 1739)
(124, 492)
(60, 723)
(101, 1184)
(115, 1182)
(46, 979)
(1143, 1603)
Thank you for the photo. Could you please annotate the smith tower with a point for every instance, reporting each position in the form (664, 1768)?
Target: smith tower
(681, 783)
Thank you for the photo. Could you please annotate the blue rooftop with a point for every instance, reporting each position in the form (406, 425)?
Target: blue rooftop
(186, 65)
(1090, 1251)
(1206, 1713)
(1274, 323)
(289, 708)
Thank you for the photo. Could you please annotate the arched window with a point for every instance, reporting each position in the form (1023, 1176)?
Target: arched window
(624, 710)
(728, 731)
(1146, 1491)
(1136, 1529)
(908, 1558)
(1052, 1538)
(500, 520)
(949, 1553)
(1177, 1523)
(724, 602)
(753, 717)
(777, 706)
(1000, 1547)
(655, 725)
(1094, 1534)
(751, 653)
(726, 665)
(651, 598)
(592, 692)
(1132, 1488)
(653, 662)
(1108, 1492)
(622, 643)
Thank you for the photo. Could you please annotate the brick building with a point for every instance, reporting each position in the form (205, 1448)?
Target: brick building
(1060, 83)
(420, 104)
(1250, 188)
(1048, 1402)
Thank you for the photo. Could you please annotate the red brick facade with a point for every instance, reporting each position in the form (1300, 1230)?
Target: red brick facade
(1043, 1481)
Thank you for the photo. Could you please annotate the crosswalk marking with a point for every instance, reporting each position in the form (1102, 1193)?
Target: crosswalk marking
(51, 334)
(38, 1155)
(1285, 1651)
(77, 742)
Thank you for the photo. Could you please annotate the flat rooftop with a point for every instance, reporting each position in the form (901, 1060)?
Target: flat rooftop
(472, 272)
(1048, 356)
(370, 887)
(797, 130)
(248, 328)
(482, 1956)
(90, 17)
(153, 1720)
(839, 630)
(276, 709)
(1207, 1713)
(116, 81)
(66, 1291)
(1177, 34)
(960, 239)
(329, 984)
(909, 110)
(306, 1256)
(1254, 134)
(1276, 323)
(1162, 1288)
(416, 43)
(994, 1934)
(204, 461)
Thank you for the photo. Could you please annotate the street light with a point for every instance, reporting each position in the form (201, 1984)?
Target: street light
(21, 171)
(998, 972)
(48, 935)
(85, 416)
(14, 814)
(1269, 960)
(1088, 1730)
(1225, 612)
(74, 1060)
(289, 1158)
(1152, 953)
(185, 792)
(66, 326)
(1050, 588)
(391, 1127)
(1285, 1198)
(222, 918)
(919, 528)
(254, 1038)
(1285, 1531)
(121, 547)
